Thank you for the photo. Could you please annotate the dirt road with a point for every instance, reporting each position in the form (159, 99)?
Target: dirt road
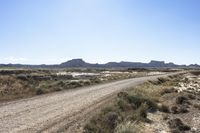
(57, 111)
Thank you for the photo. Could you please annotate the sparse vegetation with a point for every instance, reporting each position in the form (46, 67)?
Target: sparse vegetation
(159, 98)
(15, 84)
(131, 107)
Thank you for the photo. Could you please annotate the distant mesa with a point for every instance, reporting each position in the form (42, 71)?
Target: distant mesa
(80, 63)
(74, 63)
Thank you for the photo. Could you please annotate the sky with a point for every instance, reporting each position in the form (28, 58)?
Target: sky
(99, 31)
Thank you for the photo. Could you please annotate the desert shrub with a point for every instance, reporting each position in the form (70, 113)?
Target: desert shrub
(181, 99)
(87, 83)
(107, 110)
(74, 84)
(148, 91)
(159, 81)
(138, 100)
(111, 119)
(154, 82)
(128, 127)
(58, 89)
(141, 113)
(61, 83)
(124, 105)
(105, 122)
(174, 110)
(186, 80)
(91, 128)
(40, 92)
(22, 77)
(179, 109)
(122, 95)
(197, 106)
(183, 109)
(162, 80)
(196, 73)
(178, 125)
(191, 96)
(164, 108)
(11, 88)
(95, 80)
(167, 91)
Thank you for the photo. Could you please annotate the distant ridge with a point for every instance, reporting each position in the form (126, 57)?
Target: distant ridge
(78, 63)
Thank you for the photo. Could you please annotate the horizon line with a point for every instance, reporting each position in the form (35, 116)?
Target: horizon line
(95, 63)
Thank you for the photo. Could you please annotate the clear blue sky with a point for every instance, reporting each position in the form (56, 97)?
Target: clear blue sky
(53, 31)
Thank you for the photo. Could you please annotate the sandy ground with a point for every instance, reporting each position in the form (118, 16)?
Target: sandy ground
(62, 111)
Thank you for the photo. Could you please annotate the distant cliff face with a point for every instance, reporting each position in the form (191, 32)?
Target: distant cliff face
(82, 63)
